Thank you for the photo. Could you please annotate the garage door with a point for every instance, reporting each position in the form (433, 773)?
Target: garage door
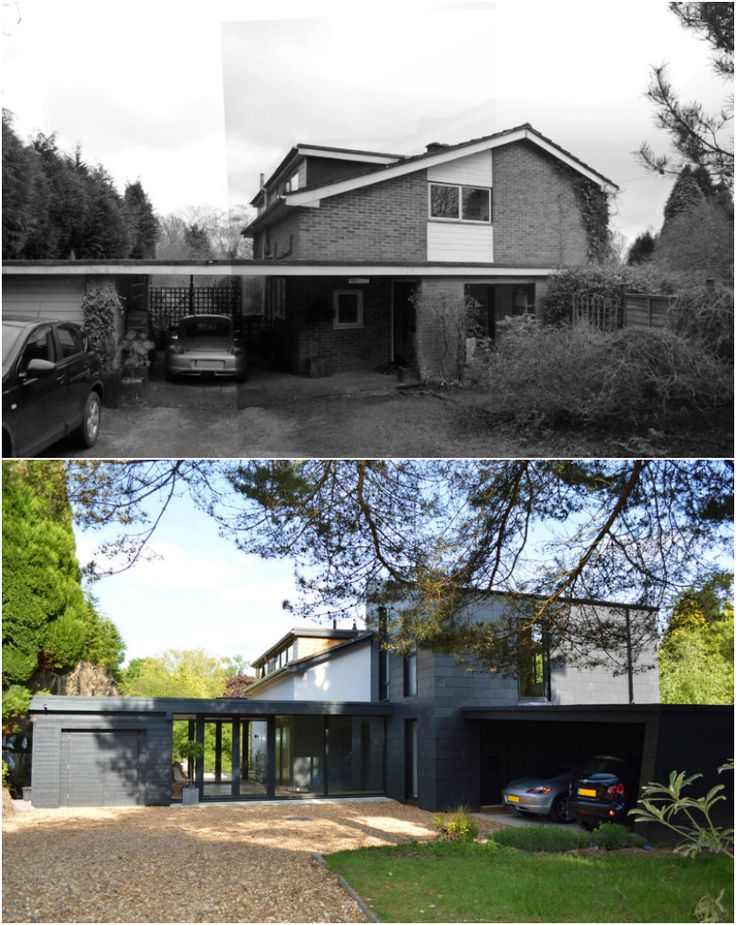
(100, 768)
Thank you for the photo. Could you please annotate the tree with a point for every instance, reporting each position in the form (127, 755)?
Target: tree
(49, 625)
(684, 195)
(199, 233)
(142, 223)
(696, 655)
(419, 536)
(642, 250)
(698, 138)
(179, 673)
(698, 240)
(20, 177)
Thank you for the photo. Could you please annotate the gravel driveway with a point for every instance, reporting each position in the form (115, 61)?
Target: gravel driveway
(234, 863)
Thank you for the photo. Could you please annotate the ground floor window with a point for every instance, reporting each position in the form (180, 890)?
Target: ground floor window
(411, 759)
(348, 306)
(282, 756)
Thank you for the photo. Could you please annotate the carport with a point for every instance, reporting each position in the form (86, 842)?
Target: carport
(654, 738)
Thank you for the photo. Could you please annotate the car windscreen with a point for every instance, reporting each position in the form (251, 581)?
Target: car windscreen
(11, 336)
(603, 765)
(205, 328)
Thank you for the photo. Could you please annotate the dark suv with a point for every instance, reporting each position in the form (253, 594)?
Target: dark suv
(602, 791)
(52, 385)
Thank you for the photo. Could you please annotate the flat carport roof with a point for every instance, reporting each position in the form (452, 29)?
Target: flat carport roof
(598, 713)
(266, 268)
(169, 706)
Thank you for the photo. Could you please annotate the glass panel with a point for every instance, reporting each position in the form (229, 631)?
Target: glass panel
(254, 758)
(445, 201)
(476, 204)
(355, 757)
(347, 308)
(300, 749)
(38, 348)
(532, 664)
(182, 769)
(410, 675)
(218, 758)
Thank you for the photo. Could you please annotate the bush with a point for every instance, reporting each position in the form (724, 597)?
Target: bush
(613, 835)
(633, 378)
(595, 279)
(705, 314)
(541, 838)
(457, 825)
(102, 314)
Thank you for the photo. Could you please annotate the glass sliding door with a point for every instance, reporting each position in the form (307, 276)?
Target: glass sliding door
(217, 782)
(300, 748)
(355, 754)
(254, 758)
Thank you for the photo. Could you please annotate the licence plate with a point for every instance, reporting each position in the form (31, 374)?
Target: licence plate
(209, 364)
(512, 799)
(586, 792)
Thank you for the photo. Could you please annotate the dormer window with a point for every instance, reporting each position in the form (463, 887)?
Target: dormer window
(459, 203)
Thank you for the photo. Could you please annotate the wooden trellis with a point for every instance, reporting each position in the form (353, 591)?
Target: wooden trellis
(169, 304)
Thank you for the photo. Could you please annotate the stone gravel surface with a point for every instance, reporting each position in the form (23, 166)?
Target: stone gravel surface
(216, 863)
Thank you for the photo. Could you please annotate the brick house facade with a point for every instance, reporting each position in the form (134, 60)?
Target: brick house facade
(500, 213)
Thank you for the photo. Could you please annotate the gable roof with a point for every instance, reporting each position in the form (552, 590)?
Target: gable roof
(437, 155)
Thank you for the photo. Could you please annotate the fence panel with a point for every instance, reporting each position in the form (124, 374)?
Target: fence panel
(169, 304)
(596, 311)
(646, 311)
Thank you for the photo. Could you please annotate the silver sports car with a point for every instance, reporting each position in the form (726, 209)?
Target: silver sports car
(545, 794)
(202, 344)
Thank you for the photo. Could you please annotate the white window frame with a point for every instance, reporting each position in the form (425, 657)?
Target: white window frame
(336, 324)
(460, 220)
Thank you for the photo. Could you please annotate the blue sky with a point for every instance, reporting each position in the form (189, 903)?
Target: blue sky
(202, 592)
(196, 97)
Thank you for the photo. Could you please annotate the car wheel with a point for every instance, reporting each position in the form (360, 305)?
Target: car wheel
(87, 432)
(559, 811)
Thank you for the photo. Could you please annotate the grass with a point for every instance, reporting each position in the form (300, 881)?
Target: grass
(482, 883)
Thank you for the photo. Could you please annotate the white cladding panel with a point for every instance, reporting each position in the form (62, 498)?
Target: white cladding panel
(345, 676)
(457, 241)
(472, 170)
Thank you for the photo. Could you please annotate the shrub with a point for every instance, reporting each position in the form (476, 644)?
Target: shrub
(599, 279)
(541, 838)
(613, 835)
(6, 774)
(636, 377)
(705, 314)
(456, 825)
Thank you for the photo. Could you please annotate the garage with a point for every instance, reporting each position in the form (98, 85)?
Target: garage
(101, 768)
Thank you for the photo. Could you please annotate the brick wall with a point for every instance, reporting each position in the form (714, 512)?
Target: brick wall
(387, 221)
(536, 217)
(352, 348)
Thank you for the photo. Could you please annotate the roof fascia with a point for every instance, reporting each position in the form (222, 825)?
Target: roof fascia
(313, 197)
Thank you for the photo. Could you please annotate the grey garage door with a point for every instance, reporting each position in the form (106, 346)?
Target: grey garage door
(100, 768)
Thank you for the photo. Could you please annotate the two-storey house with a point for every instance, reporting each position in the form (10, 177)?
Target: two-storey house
(336, 712)
(374, 245)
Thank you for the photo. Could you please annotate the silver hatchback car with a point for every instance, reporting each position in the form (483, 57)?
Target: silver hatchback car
(544, 794)
(205, 344)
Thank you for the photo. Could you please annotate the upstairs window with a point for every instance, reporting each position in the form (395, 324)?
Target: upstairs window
(384, 689)
(533, 658)
(459, 203)
(410, 674)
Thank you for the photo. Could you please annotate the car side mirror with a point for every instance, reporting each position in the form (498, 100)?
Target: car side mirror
(39, 368)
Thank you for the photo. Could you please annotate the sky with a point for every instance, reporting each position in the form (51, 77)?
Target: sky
(197, 97)
(201, 593)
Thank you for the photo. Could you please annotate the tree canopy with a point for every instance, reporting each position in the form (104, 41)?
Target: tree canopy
(698, 138)
(419, 536)
(49, 624)
(55, 206)
(180, 673)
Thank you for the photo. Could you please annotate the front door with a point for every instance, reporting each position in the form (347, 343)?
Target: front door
(405, 323)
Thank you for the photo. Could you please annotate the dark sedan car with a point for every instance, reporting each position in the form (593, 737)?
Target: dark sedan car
(602, 791)
(52, 385)
(205, 345)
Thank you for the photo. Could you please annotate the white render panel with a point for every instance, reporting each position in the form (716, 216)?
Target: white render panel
(471, 170)
(283, 689)
(345, 676)
(454, 241)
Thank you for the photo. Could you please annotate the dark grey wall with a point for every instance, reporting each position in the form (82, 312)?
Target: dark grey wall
(155, 757)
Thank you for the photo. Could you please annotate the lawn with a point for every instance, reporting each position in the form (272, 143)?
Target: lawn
(475, 883)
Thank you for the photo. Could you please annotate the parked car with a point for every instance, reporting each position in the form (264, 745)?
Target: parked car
(204, 344)
(545, 794)
(52, 385)
(602, 791)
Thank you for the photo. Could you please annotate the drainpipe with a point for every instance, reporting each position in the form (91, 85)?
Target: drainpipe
(629, 657)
